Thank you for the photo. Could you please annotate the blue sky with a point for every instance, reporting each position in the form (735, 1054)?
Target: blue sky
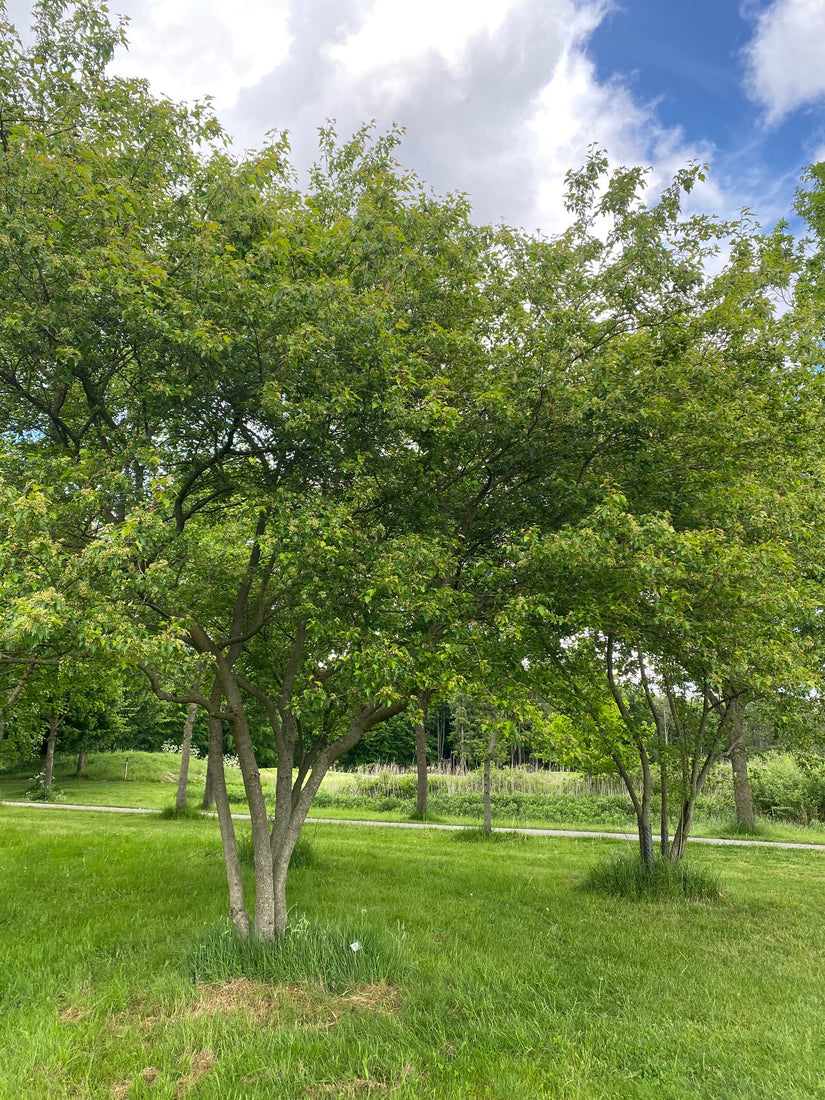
(694, 61)
(501, 97)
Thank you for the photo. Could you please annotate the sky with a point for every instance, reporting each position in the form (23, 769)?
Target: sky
(500, 98)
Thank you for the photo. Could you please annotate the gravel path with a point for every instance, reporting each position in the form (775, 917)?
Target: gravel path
(574, 833)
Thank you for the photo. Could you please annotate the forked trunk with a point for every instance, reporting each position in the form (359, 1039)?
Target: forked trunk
(234, 877)
(680, 838)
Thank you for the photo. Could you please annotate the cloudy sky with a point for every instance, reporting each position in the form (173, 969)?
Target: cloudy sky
(500, 98)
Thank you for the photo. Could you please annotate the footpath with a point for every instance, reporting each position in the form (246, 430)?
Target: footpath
(575, 834)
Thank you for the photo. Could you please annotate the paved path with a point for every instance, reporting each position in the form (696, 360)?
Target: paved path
(574, 833)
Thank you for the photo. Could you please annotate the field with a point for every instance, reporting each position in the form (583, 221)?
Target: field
(521, 798)
(511, 981)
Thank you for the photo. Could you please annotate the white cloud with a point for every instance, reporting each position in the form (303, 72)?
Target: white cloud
(576, 111)
(395, 32)
(189, 49)
(499, 97)
(785, 67)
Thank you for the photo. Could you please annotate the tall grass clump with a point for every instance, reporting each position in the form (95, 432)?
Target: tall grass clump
(303, 854)
(625, 876)
(311, 950)
(477, 835)
(188, 812)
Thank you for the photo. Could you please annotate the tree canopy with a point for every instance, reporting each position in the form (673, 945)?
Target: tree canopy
(311, 451)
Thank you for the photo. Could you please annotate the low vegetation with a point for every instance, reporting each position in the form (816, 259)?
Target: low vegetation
(625, 876)
(499, 976)
(788, 790)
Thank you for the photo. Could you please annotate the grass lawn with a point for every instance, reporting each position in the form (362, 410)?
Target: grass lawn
(151, 783)
(518, 985)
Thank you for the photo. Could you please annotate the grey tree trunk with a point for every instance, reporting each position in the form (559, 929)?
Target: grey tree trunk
(739, 765)
(54, 725)
(488, 815)
(81, 763)
(185, 752)
(646, 841)
(682, 833)
(208, 792)
(421, 757)
(264, 923)
(420, 770)
(293, 799)
(234, 878)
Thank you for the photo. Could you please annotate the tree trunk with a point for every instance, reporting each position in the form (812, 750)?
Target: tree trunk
(262, 855)
(646, 840)
(739, 765)
(664, 822)
(421, 757)
(682, 833)
(54, 725)
(234, 877)
(488, 814)
(81, 763)
(208, 791)
(293, 800)
(185, 750)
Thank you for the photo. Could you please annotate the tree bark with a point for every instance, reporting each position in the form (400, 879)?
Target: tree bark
(264, 923)
(488, 815)
(81, 763)
(185, 751)
(54, 725)
(293, 800)
(234, 878)
(421, 757)
(208, 792)
(739, 765)
(664, 822)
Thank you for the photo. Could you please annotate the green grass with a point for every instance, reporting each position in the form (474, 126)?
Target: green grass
(331, 955)
(625, 876)
(152, 779)
(516, 983)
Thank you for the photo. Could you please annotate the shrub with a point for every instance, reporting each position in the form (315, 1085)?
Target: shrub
(625, 876)
(789, 786)
(39, 792)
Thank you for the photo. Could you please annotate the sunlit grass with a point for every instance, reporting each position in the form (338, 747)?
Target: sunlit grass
(516, 982)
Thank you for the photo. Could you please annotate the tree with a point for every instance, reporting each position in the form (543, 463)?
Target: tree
(267, 410)
(696, 586)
